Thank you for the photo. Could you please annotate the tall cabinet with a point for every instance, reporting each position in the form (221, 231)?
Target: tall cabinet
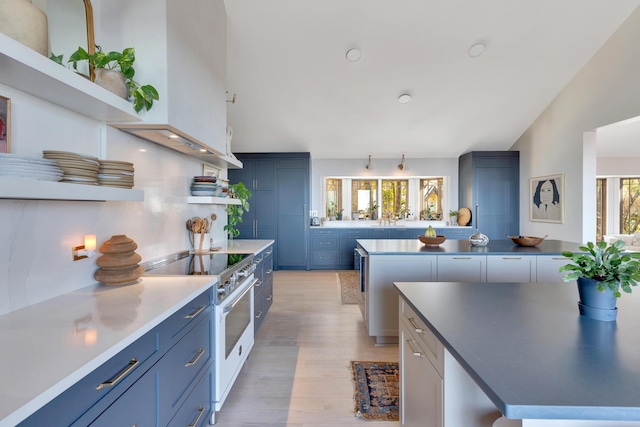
(489, 185)
(278, 207)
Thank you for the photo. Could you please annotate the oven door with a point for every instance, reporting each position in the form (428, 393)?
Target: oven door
(234, 338)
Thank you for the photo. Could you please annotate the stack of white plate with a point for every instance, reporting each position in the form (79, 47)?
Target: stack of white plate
(114, 173)
(205, 186)
(77, 168)
(26, 167)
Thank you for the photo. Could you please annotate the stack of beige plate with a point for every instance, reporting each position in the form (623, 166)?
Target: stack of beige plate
(119, 264)
(76, 168)
(114, 173)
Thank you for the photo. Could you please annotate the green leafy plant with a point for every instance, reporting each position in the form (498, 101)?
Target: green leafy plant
(235, 212)
(607, 264)
(453, 213)
(143, 95)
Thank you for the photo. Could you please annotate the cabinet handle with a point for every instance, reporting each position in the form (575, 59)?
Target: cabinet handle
(304, 214)
(259, 315)
(258, 284)
(461, 257)
(257, 261)
(269, 252)
(269, 271)
(413, 350)
(562, 258)
(270, 297)
(414, 326)
(516, 258)
(195, 359)
(130, 367)
(197, 420)
(195, 313)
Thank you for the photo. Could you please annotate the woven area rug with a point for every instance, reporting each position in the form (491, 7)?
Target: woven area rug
(377, 390)
(349, 287)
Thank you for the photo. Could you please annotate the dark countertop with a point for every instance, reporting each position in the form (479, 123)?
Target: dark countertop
(463, 247)
(531, 352)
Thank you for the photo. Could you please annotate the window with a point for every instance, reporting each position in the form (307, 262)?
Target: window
(364, 196)
(334, 196)
(431, 198)
(629, 205)
(601, 208)
(394, 197)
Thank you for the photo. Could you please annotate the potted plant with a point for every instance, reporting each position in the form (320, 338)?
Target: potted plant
(331, 211)
(601, 270)
(122, 63)
(374, 211)
(235, 212)
(452, 217)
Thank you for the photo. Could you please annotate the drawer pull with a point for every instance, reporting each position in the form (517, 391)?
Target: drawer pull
(197, 420)
(257, 261)
(461, 257)
(413, 350)
(516, 258)
(269, 271)
(258, 284)
(414, 326)
(259, 315)
(130, 367)
(195, 359)
(268, 252)
(561, 258)
(195, 313)
(270, 297)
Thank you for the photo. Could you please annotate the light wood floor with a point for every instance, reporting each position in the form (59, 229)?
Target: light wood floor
(298, 373)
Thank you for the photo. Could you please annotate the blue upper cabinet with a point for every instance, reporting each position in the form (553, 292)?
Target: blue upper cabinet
(279, 204)
(489, 185)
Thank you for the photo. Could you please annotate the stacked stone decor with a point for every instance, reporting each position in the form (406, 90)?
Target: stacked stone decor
(119, 264)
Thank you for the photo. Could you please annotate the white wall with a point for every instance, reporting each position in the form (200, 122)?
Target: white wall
(324, 168)
(605, 91)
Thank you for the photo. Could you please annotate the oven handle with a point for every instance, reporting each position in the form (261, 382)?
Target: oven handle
(230, 307)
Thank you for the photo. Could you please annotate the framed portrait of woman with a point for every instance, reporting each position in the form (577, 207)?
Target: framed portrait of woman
(5, 119)
(547, 199)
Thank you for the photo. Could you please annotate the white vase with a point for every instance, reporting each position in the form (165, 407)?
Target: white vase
(26, 23)
(111, 80)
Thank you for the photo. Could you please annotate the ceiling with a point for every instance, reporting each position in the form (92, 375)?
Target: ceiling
(296, 91)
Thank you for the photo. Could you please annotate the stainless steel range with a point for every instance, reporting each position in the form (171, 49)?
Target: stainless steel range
(233, 312)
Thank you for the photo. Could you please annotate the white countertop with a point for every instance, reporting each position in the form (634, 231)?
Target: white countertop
(47, 347)
(245, 246)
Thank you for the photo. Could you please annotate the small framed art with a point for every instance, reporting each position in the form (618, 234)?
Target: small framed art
(547, 198)
(208, 170)
(5, 124)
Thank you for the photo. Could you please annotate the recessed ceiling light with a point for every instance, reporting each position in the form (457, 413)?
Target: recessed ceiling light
(476, 50)
(404, 98)
(354, 55)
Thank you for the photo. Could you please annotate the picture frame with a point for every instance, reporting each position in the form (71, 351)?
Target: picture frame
(546, 196)
(209, 170)
(5, 124)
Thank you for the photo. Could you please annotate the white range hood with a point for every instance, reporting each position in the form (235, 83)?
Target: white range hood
(170, 137)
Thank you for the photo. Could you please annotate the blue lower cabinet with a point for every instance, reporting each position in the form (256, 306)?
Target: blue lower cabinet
(462, 233)
(196, 410)
(138, 406)
(379, 233)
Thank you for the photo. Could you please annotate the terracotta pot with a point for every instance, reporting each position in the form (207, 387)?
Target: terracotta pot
(25, 23)
(112, 80)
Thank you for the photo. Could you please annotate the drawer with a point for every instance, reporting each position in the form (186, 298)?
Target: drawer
(189, 313)
(196, 410)
(93, 393)
(267, 297)
(324, 232)
(324, 257)
(324, 243)
(355, 233)
(182, 364)
(428, 342)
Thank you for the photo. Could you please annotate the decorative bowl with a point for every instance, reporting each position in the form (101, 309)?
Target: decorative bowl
(432, 241)
(527, 240)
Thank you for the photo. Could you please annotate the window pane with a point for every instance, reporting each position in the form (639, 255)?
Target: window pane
(431, 198)
(601, 208)
(364, 196)
(334, 196)
(394, 197)
(629, 205)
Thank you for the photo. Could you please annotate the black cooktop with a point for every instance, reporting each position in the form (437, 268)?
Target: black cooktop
(197, 264)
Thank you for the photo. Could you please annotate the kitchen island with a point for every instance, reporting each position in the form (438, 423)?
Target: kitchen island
(520, 349)
(387, 261)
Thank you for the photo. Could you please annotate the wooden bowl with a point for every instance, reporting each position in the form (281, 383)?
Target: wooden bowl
(432, 241)
(527, 240)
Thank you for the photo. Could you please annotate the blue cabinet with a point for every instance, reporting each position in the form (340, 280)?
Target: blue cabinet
(324, 248)
(148, 382)
(279, 204)
(379, 233)
(347, 243)
(490, 180)
(263, 291)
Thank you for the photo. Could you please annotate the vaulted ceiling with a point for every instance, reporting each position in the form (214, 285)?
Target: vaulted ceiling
(296, 91)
